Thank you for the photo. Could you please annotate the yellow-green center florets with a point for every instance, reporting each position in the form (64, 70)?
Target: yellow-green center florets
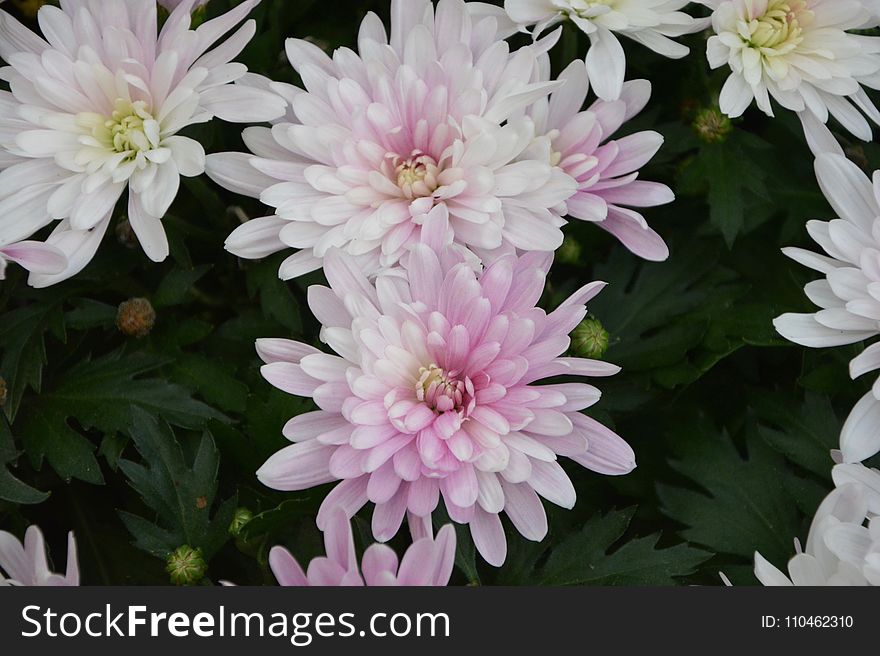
(417, 175)
(129, 130)
(437, 390)
(779, 29)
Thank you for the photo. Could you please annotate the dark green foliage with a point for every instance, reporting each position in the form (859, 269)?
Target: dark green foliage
(155, 441)
(180, 493)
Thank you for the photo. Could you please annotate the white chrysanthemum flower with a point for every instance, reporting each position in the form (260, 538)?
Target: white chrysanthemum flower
(648, 22)
(430, 116)
(95, 110)
(27, 563)
(801, 54)
(843, 547)
(849, 295)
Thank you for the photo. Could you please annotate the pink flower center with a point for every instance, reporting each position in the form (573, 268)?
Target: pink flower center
(440, 392)
(416, 176)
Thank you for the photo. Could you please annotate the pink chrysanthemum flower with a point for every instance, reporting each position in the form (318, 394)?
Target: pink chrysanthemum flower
(27, 564)
(606, 170)
(433, 117)
(434, 392)
(94, 110)
(427, 562)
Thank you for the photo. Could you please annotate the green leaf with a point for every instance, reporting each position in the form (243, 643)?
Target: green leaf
(276, 520)
(213, 380)
(742, 505)
(805, 433)
(181, 491)
(46, 434)
(23, 344)
(276, 299)
(733, 174)
(12, 489)
(88, 314)
(588, 557)
(101, 394)
(177, 285)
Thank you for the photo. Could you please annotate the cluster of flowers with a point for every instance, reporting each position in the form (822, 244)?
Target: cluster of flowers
(429, 175)
(841, 549)
(803, 54)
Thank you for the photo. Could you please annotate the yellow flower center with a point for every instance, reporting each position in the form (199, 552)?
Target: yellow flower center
(779, 28)
(130, 129)
(437, 390)
(417, 175)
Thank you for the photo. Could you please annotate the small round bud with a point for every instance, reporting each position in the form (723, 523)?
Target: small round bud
(239, 521)
(570, 252)
(3, 391)
(590, 339)
(712, 126)
(186, 566)
(136, 317)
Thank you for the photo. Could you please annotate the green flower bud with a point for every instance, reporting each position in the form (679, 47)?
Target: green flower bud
(136, 317)
(712, 126)
(590, 339)
(239, 521)
(570, 252)
(186, 566)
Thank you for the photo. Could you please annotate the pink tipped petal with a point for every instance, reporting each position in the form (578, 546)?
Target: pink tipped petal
(607, 452)
(285, 568)
(35, 257)
(298, 467)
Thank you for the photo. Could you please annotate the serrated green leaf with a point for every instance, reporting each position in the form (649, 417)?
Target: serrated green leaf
(177, 285)
(805, 432)
(23, 344)
(742, 505)
(101, 394)
(212, 380)
(11, 488)
(46, 434)
(589, 557)
(180, 492)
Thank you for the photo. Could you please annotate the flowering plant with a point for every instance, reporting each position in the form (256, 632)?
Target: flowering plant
(497, 293)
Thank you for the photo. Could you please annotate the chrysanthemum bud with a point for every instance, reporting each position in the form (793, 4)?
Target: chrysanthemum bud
(570, 252)
(590, 339)
(136, 317)
(239, 521)
(712, 126)
(186, 566)
(3, 391)
(29, 8)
